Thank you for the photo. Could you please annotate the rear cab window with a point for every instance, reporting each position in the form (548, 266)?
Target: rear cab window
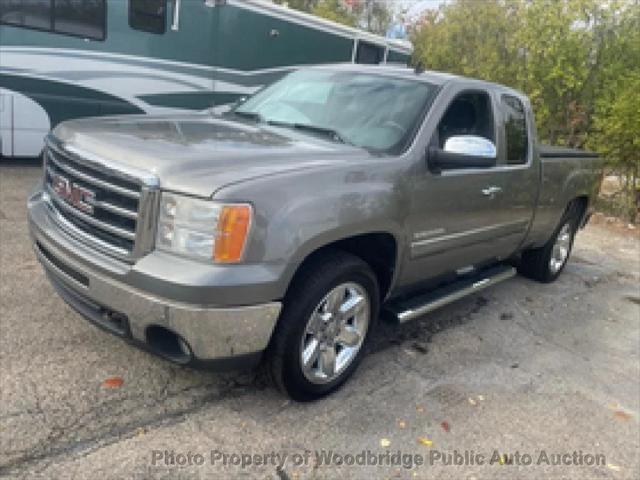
(516, 135)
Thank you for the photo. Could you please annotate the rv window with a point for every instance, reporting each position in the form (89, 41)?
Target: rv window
(26, 13)
(84, 19)
(148, 15)
(369, 53)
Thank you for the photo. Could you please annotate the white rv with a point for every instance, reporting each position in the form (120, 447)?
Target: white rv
(62, 59)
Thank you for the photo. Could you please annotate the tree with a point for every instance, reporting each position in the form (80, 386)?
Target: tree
(578, 60)
(616, 125)
(372, 15)
(336, 11)
(304, 5)
(616, 118)
(375, 16)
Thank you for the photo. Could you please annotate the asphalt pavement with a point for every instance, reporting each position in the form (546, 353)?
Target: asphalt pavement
(521, 381)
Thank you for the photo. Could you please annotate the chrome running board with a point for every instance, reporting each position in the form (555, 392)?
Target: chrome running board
(422, 303)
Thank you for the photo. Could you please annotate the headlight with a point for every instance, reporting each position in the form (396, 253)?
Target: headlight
(203, 228)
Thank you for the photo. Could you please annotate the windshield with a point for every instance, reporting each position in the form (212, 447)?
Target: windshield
(375, 112)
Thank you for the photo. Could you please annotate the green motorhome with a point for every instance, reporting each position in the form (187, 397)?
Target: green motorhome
(62, 59)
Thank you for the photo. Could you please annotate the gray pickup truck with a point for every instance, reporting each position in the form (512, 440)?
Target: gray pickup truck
(281, 230)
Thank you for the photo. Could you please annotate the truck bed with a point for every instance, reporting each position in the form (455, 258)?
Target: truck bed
(550, 151)
(566, 173)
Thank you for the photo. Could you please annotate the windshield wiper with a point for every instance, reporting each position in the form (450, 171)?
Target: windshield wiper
(259, 118)
(329, 132)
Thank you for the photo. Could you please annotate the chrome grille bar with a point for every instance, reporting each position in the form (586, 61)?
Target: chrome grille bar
(110, 207)
(124, 212)
(92, 180)
(75, 232)
(89, 219)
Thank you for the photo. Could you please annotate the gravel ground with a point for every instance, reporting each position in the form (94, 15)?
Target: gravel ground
(521, 370)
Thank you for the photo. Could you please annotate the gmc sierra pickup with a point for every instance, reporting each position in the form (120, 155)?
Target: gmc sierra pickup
(281, 229)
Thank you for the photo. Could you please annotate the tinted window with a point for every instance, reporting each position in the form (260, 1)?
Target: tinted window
(515, 125)
(84, 18)
(468, 114)
(376, 112)
(369, 53)
(148, 15)
(26, 13)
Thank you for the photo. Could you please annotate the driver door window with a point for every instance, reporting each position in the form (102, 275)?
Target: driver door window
(469, 113)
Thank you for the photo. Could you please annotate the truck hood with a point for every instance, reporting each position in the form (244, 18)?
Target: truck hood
(198, 154)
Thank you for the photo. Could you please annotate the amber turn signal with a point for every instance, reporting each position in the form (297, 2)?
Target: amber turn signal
(231, 234)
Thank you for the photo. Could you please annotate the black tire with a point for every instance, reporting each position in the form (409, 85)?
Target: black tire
(309, 287)
(536, 263)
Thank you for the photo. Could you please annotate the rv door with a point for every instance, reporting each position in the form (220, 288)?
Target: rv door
(23, 125)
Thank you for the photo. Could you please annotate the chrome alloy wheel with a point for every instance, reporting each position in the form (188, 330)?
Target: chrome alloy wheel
(560, 251)
(335, 332)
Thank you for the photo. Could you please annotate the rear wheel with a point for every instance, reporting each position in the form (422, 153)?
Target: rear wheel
(545, 264)
(323, 332)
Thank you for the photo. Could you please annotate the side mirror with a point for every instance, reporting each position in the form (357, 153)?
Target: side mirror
(463, 151)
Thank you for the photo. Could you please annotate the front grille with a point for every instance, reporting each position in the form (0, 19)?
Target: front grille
(97, 204)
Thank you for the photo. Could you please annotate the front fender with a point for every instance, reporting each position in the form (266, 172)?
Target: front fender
(300, 212)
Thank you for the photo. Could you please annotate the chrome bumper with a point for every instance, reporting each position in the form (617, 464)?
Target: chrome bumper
(202, 334)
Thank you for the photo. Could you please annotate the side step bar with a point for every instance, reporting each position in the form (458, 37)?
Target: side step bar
(410, 308)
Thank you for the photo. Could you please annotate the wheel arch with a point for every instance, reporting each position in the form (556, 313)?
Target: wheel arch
(379, 250)
(580, 205)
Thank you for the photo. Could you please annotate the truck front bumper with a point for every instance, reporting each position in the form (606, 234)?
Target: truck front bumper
(195, 334)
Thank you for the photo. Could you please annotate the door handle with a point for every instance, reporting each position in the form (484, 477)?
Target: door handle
(491, 191)
(175, 23)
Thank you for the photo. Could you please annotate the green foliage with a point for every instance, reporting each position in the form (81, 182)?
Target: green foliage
(374, 15)
(371, 15)
(304, 5)
(617, 136)
(336, 11)
(617, 123)
(578, 60)
(468, 38)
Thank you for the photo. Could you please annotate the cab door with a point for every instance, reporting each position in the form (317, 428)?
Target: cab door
(458, 219)
(518, 169)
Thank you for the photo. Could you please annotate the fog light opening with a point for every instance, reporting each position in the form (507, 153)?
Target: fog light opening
(168, 344)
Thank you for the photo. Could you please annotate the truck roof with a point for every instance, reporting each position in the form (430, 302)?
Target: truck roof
(431, 76)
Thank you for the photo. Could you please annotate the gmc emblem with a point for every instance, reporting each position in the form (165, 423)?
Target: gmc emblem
(72, 193)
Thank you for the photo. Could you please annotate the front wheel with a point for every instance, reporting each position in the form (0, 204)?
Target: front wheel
(327, 320)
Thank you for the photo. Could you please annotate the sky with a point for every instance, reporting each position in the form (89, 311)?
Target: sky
(414, 8)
